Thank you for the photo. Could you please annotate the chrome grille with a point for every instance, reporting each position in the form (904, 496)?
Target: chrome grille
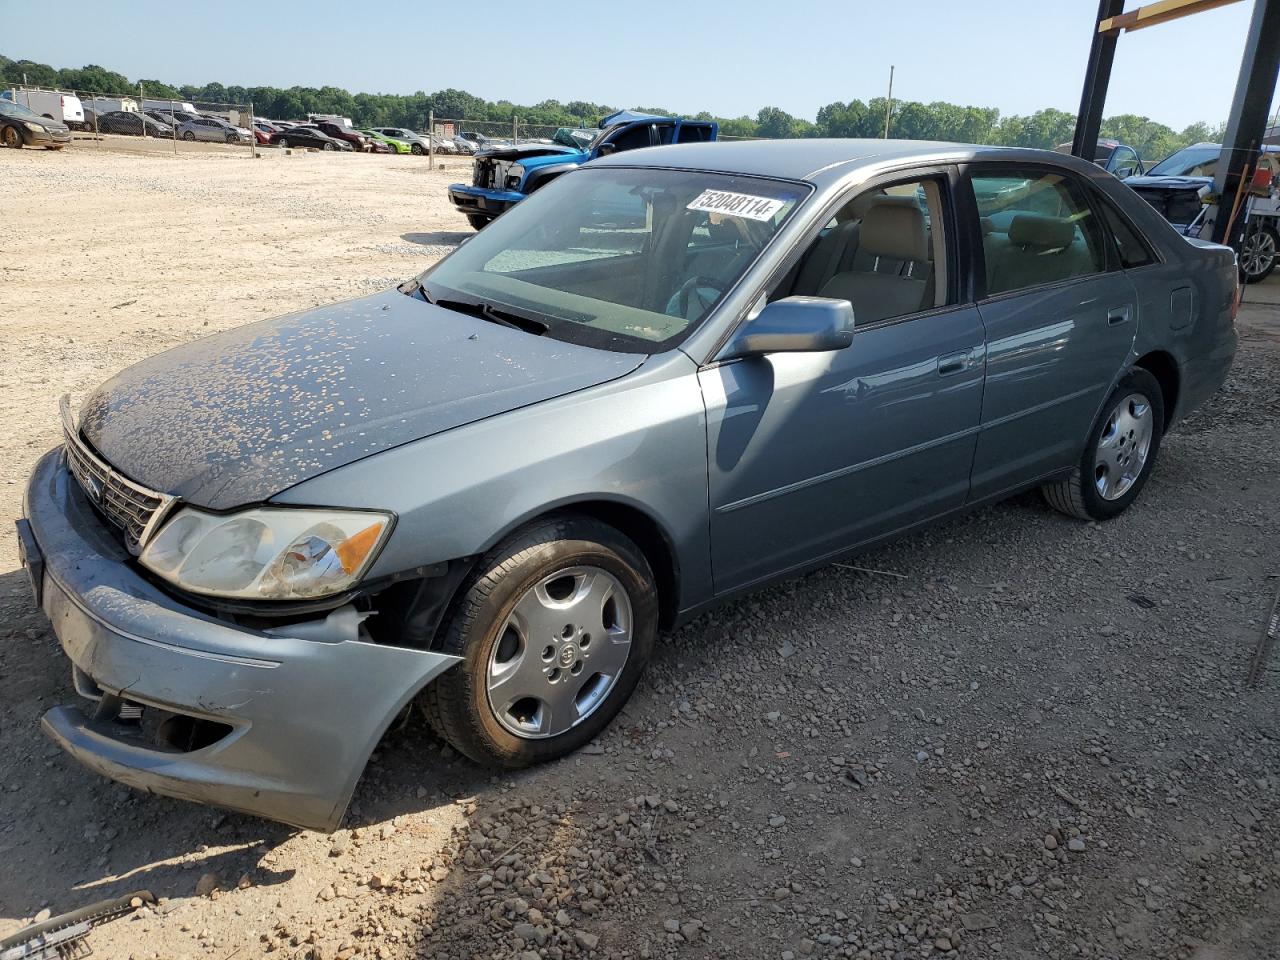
(133, 508)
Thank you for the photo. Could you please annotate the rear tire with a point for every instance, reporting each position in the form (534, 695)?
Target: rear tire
(528, 691)
(188, 136)
(478, 222)
(1119, 455)
(1259, 252)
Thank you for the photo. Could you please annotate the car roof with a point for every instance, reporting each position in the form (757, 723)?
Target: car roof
(819, 159)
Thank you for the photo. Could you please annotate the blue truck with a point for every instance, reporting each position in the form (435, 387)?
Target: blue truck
(504, 176)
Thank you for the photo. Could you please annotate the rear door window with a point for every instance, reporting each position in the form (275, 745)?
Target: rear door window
(1037, 228)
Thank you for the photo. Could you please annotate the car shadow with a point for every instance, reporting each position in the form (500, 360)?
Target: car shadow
(438, 238)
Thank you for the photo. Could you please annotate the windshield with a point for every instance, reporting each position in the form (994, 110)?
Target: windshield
(11, 109)
(624, 259)
(1191, 162)
(578, 138)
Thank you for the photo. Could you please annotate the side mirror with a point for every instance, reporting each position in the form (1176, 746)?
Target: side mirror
(605, 149)
(794, 325)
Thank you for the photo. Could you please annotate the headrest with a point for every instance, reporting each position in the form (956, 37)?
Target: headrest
(1040, 231)
(894, 229)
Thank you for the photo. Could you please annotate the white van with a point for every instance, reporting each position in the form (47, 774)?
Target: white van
(54, 104)
(168, 106)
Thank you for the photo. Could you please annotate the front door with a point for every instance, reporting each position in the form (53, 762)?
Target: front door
(1059, 323)
(811, 454)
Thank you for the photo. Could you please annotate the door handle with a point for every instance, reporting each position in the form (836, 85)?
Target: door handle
(1119, 315)
(954, 363)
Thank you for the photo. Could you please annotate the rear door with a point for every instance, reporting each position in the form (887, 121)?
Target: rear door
(1060, 318)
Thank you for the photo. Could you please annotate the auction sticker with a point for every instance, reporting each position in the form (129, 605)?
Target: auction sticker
(737, 204)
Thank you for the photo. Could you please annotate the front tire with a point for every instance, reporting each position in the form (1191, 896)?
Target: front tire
(11, 138)
(477, 222)
(188, 136)
(1119, 455)
(328, 146)
(417, 149)
(554, 627)
(1259, 252)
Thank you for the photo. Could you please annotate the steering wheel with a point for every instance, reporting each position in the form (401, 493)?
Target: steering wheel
(698, 292)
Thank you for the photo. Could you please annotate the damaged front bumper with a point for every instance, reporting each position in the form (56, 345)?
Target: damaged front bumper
(180, 703)
(483, 201)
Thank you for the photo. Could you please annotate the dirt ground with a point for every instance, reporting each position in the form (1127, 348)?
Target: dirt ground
(1012, 735)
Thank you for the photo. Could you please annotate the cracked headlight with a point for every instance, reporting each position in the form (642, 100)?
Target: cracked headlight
(268, 553)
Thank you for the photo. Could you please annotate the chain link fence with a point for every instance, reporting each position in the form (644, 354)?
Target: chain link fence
(133, 122)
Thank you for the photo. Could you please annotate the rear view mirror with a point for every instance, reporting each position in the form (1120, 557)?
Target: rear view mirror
(794, 325)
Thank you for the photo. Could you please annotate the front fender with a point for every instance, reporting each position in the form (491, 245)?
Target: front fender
(639, 441)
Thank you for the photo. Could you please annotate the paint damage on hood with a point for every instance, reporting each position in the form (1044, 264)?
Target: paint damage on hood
(240, 416)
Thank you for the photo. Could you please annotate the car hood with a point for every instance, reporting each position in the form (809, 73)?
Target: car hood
(1169, 183)
(526, 151)
(555, 159)
(240, 416)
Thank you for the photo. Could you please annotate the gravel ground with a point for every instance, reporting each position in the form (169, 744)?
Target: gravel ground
(1018, 736)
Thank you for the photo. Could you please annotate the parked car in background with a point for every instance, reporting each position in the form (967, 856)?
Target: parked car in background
(1118, 159)
(262, 131)
(595, 439)
(463, 145)
(359, 142)
(131, 124)
(307, 136)
(213, 130)
(416, 141)
(392, 144)
(60, 105)
(21, 126)
(503, 176)
(1180, 186)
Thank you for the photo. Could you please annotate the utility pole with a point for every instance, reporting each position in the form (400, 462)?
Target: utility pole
(888, 106)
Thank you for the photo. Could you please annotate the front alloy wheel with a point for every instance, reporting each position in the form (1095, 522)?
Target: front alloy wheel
(12, 138)
(554, 627)
(1258, 253)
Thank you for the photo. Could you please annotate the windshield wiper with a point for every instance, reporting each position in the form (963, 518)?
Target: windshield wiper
(498, 315)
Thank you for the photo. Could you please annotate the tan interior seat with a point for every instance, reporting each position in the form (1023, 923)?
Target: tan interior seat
(890, 276)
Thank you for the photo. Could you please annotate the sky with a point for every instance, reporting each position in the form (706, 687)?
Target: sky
(731, 58)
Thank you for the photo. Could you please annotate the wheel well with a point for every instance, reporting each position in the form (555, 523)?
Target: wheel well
(1164, 368)
(652, 540)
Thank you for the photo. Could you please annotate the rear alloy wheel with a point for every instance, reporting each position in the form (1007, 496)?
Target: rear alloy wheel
(1258, 253)
(11, 138)
(282, 142)
(554, 629)
(1119, 455)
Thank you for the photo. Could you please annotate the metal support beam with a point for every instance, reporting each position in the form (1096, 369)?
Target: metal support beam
(1153, 13)
(1255, 87)
(1096, 79)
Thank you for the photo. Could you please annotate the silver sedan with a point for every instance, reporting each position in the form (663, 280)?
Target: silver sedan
(668, 377)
